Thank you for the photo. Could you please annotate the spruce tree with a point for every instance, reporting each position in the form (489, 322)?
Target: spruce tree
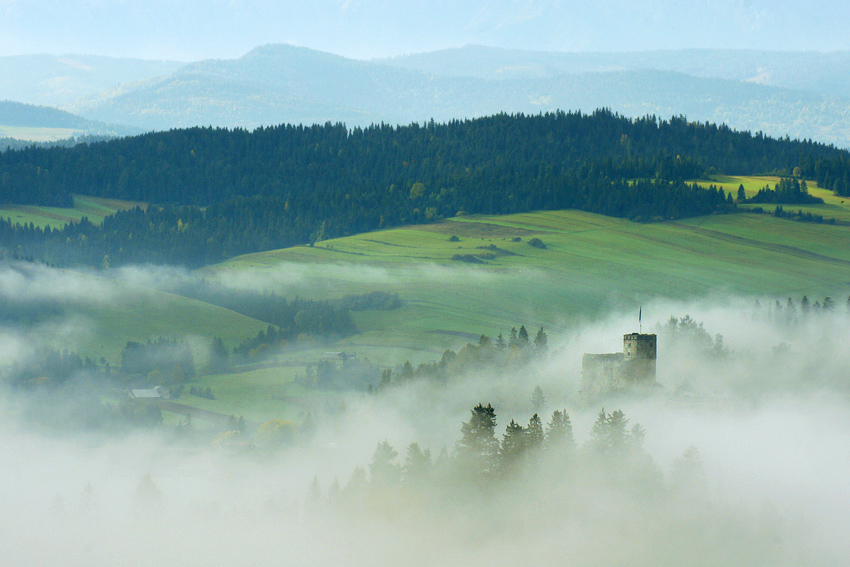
(559, 431)
(383, 471)
(523, 336)
(534, 432)
(541, 341)
(477, 447)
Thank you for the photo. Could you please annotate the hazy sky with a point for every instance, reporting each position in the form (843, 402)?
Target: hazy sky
(193, 29)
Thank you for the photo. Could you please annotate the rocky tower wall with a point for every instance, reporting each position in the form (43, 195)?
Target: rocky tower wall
(639, 353)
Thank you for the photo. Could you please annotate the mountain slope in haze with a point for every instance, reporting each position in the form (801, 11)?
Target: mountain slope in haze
(54, 80)
(22, 124)
(279, 83)
(824, 73)
(32, 116)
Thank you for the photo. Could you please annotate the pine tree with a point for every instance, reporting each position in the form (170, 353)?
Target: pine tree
(534, 432)
(513, 444)
(538, 400)
(478, 445)
(406, 371)
(541, 341)
(417, 464)
(688, 474)
(315, 490)
(559, 432)
(383, 471)
(609, 435)
(523, 336)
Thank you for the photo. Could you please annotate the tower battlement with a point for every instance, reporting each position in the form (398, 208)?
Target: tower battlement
(631, 369)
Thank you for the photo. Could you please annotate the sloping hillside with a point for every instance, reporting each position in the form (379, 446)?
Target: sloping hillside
(24, 122)
(490, 278)
(816, 72)
(54, 80)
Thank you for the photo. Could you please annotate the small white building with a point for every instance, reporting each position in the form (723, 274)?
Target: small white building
(157, 392)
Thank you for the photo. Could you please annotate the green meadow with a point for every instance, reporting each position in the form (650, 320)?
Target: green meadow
(115, 312)
(36, 133)
(590, 263)
(461, 278)
(832, 207)
(590, 266)
(94, 208)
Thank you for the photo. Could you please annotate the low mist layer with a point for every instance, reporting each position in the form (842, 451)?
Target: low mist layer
(737, 457)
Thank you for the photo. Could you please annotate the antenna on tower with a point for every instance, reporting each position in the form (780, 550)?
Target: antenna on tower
(640, 323)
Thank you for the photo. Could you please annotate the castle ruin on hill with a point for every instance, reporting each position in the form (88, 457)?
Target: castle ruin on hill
(633, 369)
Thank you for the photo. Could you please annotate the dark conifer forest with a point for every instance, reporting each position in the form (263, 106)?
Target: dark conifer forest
(216, 193)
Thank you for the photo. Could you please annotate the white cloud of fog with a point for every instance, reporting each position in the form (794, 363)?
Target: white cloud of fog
(773, 447)
(24, 283)
(286, 277)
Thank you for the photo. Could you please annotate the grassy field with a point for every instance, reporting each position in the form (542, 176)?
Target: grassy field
(832, 207)
(36, 134)
(591, 265)
(116, 312)
(261, 394)
(590, 262)
(95, 208)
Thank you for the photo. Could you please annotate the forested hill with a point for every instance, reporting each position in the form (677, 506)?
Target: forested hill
(288, 185)
(201, 166)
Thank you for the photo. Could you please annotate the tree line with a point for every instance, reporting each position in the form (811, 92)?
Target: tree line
(487, 354)
(202, 166)
(483, 459)
(788, 191)
(217, 193)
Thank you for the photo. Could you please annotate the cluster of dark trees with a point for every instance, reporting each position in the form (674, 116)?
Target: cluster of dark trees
(831, 173)
(371, 301)
(48, 367)
(801, 216)
(482, 459)
(688, 333)
(156, 362)
(346, 373)
(789, 190)
(291, 316)
(162, 360)
(789, 312)
(220, 193)
(296, 318)
(202, 392)
(487, 354)
(318, 322)
(187, 236)
(29, 312)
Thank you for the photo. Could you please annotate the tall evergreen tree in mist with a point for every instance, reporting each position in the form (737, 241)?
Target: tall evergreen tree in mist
(477, 448)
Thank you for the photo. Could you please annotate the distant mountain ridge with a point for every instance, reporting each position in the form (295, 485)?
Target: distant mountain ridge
(53, 124)
(801, 95)
(824, 73)
(55, 80)
(32, 116)
(276, 84)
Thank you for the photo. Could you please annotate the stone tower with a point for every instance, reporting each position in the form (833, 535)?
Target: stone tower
(639, 358)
